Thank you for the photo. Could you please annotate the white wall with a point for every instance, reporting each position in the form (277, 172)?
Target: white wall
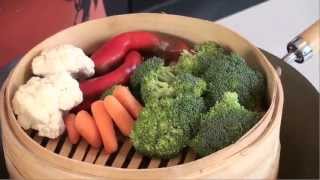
(271, 25)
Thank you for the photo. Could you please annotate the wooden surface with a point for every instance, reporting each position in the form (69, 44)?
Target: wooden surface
(312, 36)
(228, 162)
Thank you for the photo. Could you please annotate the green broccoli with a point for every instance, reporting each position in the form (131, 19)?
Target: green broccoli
(164, 127)
(231, 73)
(197, 62)
(187, 63)
(188, 109)
(153, 133)
(223, 72)
(162, 83)
(147, 66)
(187, 83)
(224, 124)
(157, 84)
(176, 99)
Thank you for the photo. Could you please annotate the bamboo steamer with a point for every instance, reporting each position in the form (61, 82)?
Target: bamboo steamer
(255, 155)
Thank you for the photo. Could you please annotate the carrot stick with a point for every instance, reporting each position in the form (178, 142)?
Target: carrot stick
(87, 128)
(73, 135)
(125, 97)
(105, 126)
(119, 114)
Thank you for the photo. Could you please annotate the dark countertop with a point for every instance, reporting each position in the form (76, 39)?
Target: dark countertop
(299, 133)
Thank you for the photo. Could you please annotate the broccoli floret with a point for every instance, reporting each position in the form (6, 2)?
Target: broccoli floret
(157, 84)
(188, 109)
(154, 134)
(209, 50)
(147, 66)
(223, 72)
(231, 73)
(187, 83)
(164, 127)
(224, 124)
(187, 63)
(197, 62)
(162, 83)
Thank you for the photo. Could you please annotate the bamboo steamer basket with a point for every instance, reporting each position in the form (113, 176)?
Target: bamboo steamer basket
(254, 155)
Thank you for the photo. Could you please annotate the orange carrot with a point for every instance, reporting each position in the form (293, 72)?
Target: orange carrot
(73, 135)
(125, 97)
(119, 114)
(87, 128)
(105, 126)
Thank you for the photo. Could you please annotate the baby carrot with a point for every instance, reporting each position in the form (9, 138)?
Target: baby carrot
(119, 114)
(105, 126)
(73, 135)
(125, 97)
(87, 128)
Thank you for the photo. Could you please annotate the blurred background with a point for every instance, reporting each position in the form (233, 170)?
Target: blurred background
(269, 24)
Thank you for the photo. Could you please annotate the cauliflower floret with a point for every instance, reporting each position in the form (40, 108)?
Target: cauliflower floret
(37, 107)
(69, 93)
(40, 103)
(63, 58)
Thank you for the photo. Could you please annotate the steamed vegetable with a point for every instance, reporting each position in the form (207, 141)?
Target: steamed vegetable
(164, 127)
(170, 47)
(128, 101)
(175, 113)
(223, 72)
(64, 58)
(94, 87)
(231, 73)
(41, 102)
(87, 128)
(187, 83)
(224, 124)
(119, 115)
(111, 53)
(73, 134)
(105, 126)
(157, 84)
(115, 49)
(198, 61)
(153, 80)
(138, 75)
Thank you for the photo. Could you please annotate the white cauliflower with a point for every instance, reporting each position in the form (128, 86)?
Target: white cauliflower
(40, 103)
(69, 93)
(63, 58)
